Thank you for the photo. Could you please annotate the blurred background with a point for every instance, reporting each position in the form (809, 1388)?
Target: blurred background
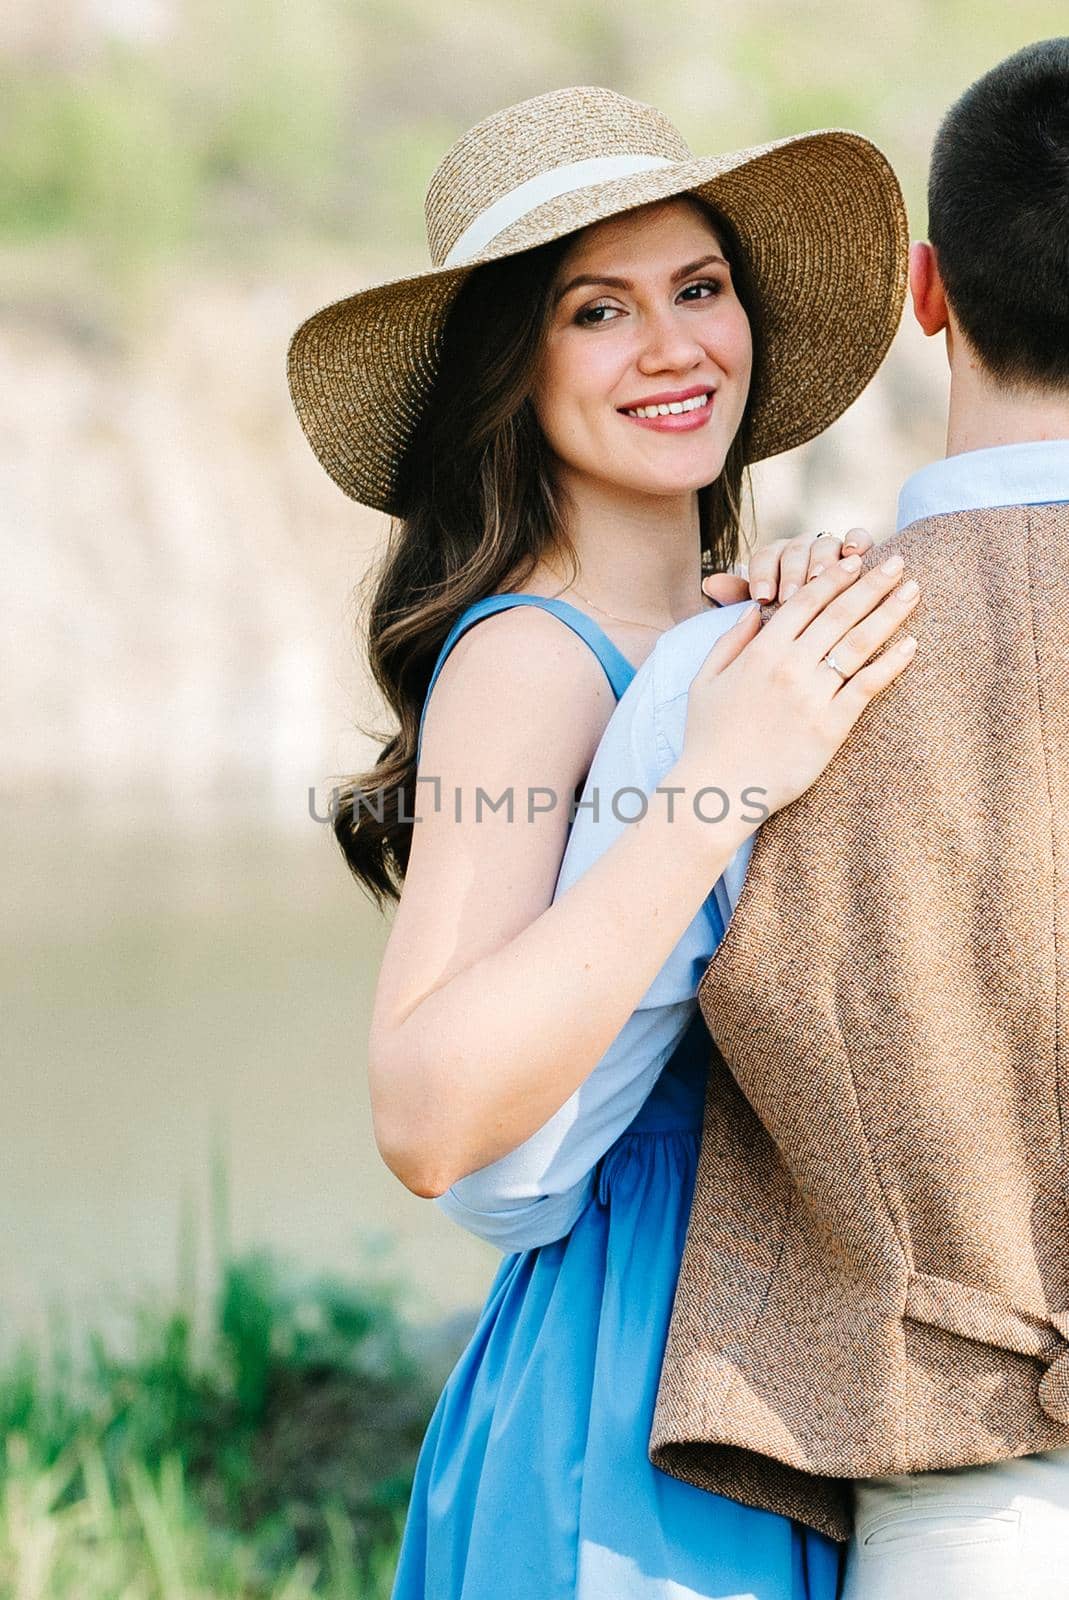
(222, 1320)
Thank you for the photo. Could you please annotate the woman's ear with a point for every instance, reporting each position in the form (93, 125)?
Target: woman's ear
(926, 289)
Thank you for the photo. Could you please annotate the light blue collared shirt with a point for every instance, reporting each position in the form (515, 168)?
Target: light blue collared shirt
(1034, 474)
(536, 1192)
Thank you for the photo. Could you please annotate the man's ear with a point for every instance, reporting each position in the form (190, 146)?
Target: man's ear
(926, 288)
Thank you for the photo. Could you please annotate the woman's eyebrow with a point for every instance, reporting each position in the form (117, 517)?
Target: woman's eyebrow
(588, 278)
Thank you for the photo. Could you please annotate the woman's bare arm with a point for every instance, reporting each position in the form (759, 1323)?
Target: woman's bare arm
(494, 1003)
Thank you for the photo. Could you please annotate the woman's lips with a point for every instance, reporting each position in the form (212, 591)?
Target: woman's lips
(677, 422)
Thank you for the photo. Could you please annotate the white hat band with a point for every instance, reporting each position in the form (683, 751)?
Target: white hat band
(544, 186)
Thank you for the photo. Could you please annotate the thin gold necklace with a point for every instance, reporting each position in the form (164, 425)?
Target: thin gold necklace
(630, 621)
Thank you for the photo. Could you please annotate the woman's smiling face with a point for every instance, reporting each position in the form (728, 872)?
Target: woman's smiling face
(655, 314)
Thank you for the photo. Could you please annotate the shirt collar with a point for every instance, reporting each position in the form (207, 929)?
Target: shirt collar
(1036, 473)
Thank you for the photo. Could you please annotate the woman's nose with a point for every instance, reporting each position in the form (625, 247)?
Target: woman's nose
(668, 343)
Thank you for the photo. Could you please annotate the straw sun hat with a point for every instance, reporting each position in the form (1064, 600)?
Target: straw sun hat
(820, 216)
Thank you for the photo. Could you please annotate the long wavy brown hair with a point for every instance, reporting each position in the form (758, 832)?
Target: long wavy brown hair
(481, 506)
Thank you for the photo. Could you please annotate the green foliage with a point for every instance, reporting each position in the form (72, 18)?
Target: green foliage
(261, 122)
(272, 1457)
(111, 166)
(145, 1538)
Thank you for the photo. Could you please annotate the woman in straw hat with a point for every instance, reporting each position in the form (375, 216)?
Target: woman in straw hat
(508, 409)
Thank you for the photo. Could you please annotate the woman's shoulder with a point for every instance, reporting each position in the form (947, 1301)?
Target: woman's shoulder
(519, 685)
(524, 639)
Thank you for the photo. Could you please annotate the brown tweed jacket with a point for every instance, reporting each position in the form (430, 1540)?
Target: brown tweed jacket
(876, 1271)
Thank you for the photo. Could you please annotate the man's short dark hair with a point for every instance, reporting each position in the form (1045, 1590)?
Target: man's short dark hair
(998, 215)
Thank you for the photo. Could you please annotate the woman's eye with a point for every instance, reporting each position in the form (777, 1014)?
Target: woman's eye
(588, 311)
(707, 283)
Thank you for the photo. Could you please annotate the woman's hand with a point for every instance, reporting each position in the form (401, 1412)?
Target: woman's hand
(766, 712)
(777, 569)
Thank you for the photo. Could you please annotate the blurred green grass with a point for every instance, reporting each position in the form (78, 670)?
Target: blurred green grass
(268, 1456)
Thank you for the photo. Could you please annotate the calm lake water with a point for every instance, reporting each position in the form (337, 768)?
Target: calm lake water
(169, 989)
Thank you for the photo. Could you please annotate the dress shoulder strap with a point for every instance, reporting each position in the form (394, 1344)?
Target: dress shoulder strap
(618, 669)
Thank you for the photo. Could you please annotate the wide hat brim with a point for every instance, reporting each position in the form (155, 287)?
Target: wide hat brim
(823, 222)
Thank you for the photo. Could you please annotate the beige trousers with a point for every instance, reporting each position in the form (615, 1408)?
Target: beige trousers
(998, 1532)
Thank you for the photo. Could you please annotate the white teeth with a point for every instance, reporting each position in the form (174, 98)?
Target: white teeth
(671, 409)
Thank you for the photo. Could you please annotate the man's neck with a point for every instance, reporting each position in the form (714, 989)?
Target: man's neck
(984, 414)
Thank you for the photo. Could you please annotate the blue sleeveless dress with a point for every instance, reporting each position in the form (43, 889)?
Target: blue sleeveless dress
(533, 1480)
